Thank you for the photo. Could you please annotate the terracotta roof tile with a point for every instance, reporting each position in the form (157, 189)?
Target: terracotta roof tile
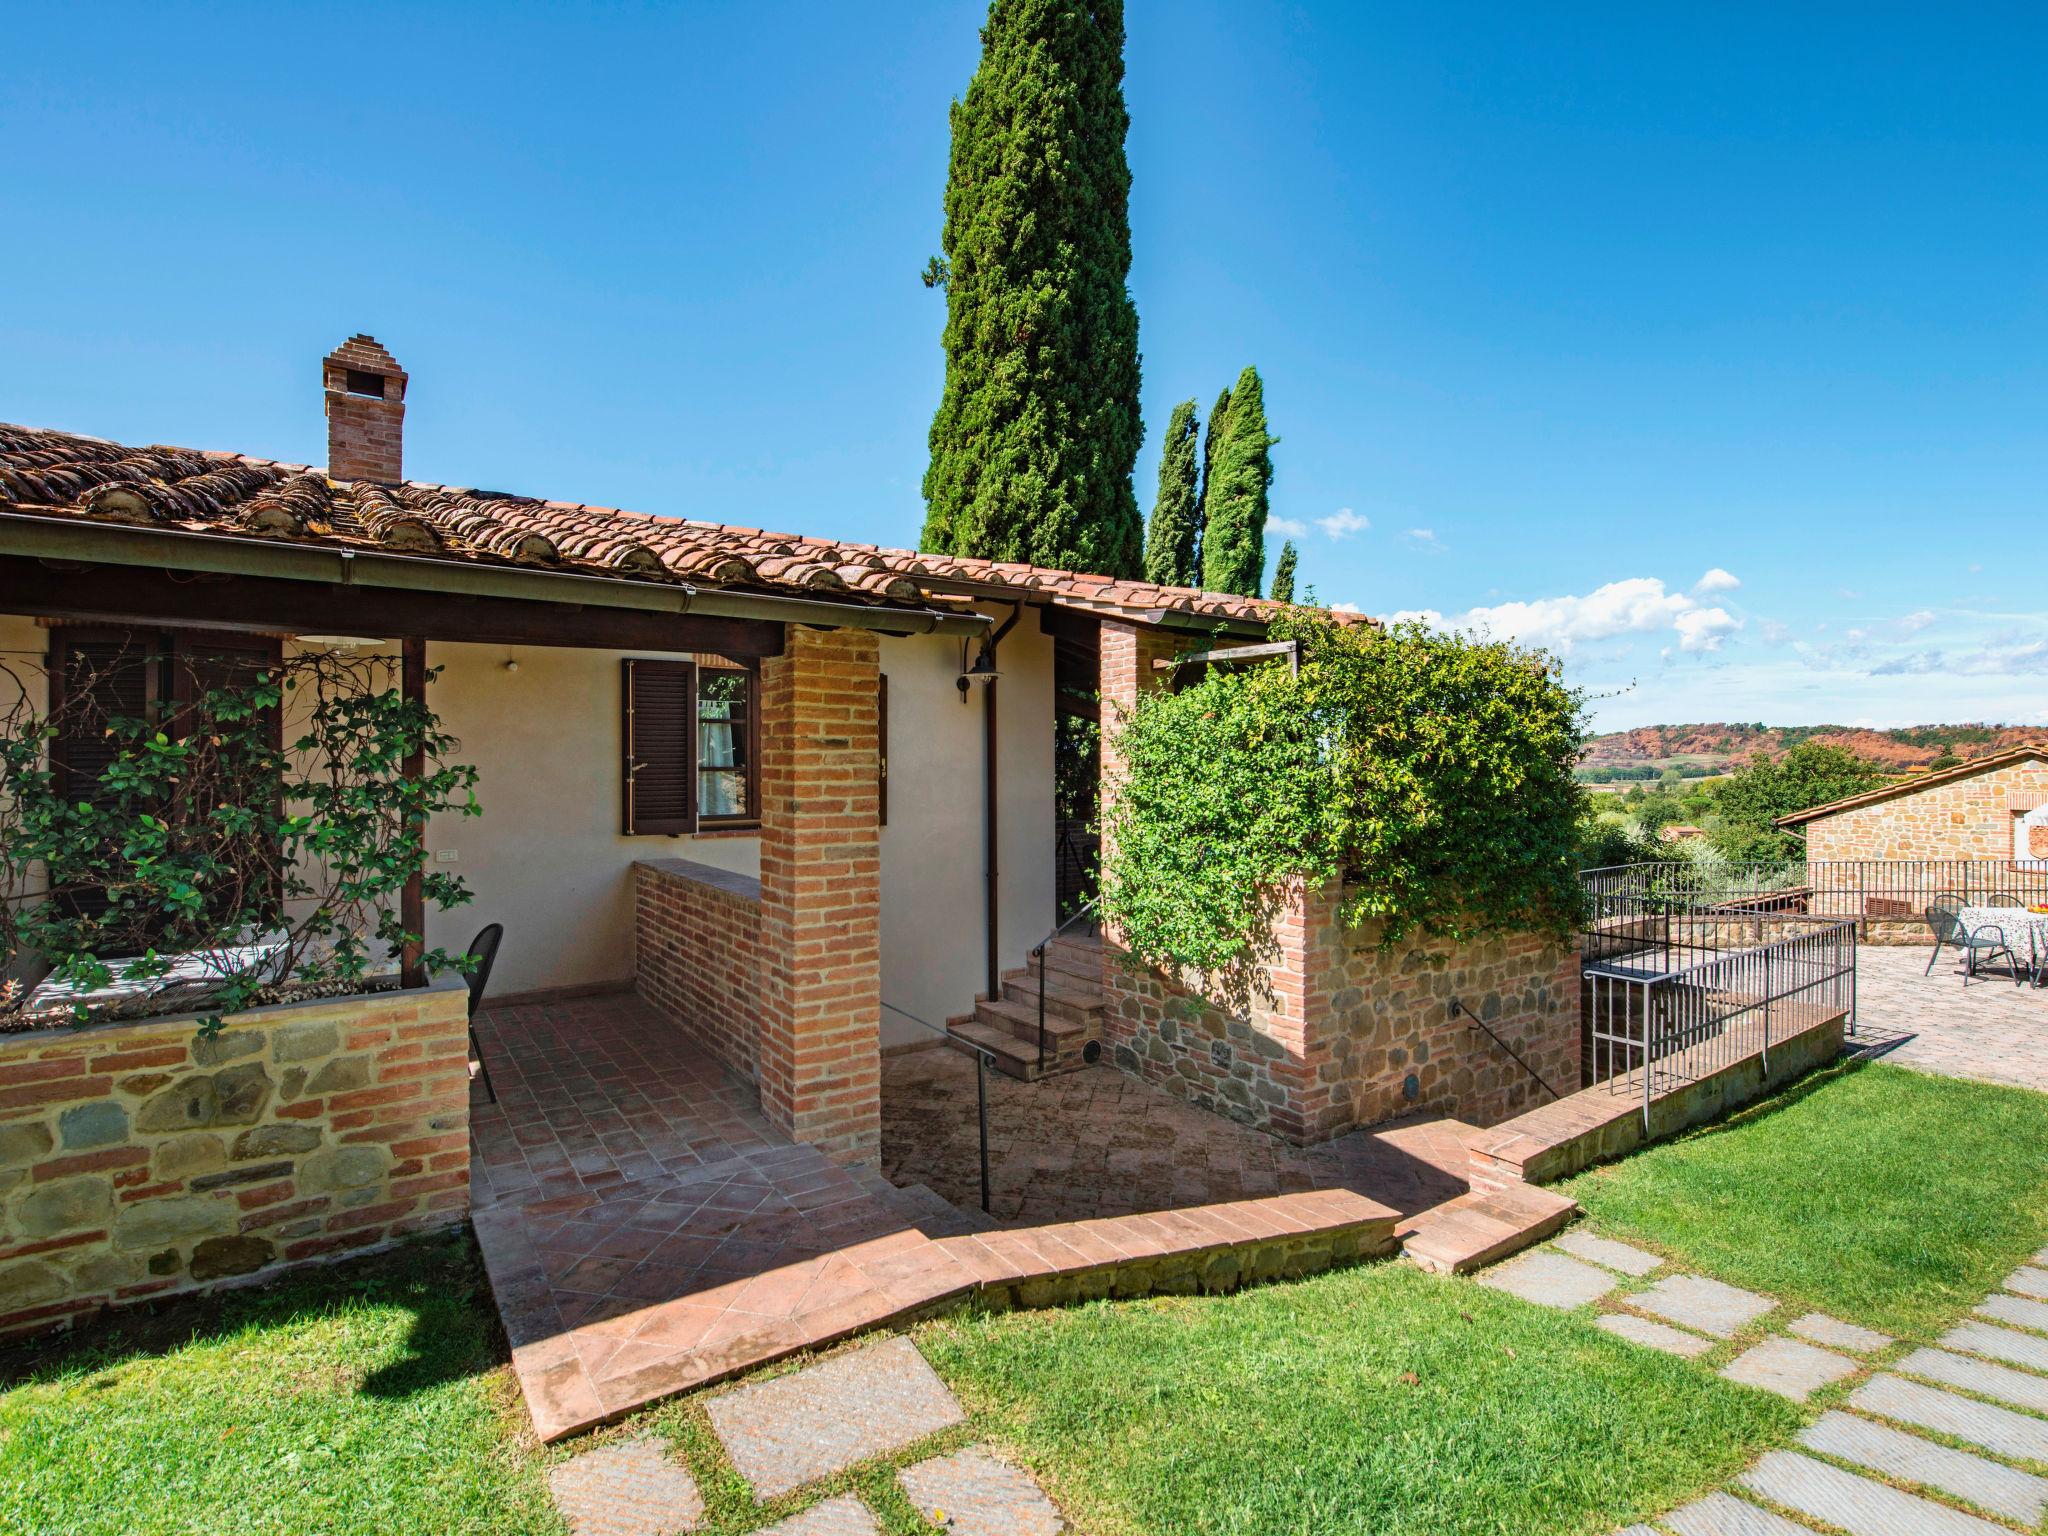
(65, 474)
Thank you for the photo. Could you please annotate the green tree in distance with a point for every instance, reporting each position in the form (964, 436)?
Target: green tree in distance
(1037, 429)
(1170, 540)
(1750, 800)
(1283, 574)
(1234, 497)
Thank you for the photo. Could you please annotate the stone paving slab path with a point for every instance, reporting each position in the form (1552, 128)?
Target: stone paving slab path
(842, 1516)
(1653, 1335)
(1706, 1306)
(1583, 1243)
(1856, 1504)
(1819, 1328)
(1791, 1368)
(1549, 1279)
(1722, 1514)
(2016, 1310)
(827, 1417)
(2029, 1280)
(631, 1488)
(2001, 1431)
(978, 1495)
(1908, 1458)
(2022, 1349)
(2018, 1388)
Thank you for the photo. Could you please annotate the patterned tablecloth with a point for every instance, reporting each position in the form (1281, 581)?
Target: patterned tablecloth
(2026, 932)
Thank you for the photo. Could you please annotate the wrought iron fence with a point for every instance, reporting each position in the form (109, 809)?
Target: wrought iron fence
(1868, 892)
(1746, 979)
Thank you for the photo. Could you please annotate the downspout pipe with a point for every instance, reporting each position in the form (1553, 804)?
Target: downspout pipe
(990, 806)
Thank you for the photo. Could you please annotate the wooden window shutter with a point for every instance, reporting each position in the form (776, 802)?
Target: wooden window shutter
(658, 767)
(882, 749)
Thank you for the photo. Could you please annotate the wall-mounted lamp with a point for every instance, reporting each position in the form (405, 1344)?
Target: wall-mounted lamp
(983, 670)
(512, 664)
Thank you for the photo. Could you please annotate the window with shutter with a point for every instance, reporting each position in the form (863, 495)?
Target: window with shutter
(660, 768)
(728, 745)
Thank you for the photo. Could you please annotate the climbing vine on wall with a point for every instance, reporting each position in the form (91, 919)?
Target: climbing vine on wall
(1433, 772)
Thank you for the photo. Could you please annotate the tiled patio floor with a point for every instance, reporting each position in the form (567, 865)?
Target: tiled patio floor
(1098, 1142)
(1990, 1030)
(646, 1231)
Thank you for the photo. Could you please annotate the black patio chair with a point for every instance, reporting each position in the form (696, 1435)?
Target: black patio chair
(1987, 939)
(483, 950)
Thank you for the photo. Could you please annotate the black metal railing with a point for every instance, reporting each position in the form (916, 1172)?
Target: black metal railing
(983, 1060)
(1867, 892)
(1085, 911)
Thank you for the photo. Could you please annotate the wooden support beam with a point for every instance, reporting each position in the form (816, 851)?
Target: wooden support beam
(412, 906)
(1291, 649)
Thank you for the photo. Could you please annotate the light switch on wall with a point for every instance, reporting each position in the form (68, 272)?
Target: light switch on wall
(445, 855)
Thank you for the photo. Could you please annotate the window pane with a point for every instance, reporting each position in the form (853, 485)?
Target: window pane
(721, 792)
(722, 695)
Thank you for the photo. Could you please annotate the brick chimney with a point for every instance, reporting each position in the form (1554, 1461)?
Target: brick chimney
(365, 411)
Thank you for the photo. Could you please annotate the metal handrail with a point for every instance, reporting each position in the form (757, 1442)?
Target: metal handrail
(983, 1059)
(1458, 1007)
(1038, 954)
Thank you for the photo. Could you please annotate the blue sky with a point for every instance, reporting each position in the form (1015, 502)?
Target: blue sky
(1560, 309)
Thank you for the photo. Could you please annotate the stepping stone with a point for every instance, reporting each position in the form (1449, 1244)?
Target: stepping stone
(1653, 1335)
(2029, 1281)
(1607, 1252)
(2016, 1310)
(1998, 1430)
(1722, 1514)
(1999, 1343)
(823, 1419)
(1836, 1334)
(1856, 1504)
(1986, 1380)
(843, 1516)
(1706, 1306)
(1788, 1367)
(1550, 1279)
(628, 1489)
(1639, 1530)
(971, 1493)
(2018, 1496)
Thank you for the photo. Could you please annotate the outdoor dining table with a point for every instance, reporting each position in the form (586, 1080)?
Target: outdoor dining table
(2023, 930)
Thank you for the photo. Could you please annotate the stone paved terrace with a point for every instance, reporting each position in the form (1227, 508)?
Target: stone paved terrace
(1099, 1142)
(1990, 1030)
(646, 1231)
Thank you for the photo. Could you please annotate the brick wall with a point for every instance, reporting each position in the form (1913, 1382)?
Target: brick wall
(697, 953)
(1348, 1035)
(1967, 818)
(819, 1061)
(138, 1159)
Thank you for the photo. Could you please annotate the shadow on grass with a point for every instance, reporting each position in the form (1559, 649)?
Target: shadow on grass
(452, 1332)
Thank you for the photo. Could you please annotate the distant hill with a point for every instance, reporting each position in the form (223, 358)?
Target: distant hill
(1719, 746)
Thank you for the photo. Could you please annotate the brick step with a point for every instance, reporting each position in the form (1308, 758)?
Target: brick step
(1022, 1021)
(932, 1213)
(1067, 1001)
(1013, 1057)
(1482, 1226)
(1061, 983)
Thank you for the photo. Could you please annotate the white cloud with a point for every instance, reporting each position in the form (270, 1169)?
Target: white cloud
(1344, 522)
(1775, 632)
(1913, 623)
(1717, 580)
(1287, 527)
(1423, 538)
(1637, 606)
(1345, 608)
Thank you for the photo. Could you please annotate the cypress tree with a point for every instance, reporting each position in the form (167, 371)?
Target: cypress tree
(1283, 574)
(1234, 499)
(1219, 427)
(1037, 430)
(1177, 514)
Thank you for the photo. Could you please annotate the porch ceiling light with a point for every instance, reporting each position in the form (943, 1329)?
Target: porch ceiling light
(339, 642)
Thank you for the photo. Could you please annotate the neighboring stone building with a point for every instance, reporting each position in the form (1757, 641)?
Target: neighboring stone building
(1993, 808)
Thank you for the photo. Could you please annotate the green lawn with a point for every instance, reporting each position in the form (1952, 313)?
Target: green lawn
(1884, 1196)
(1377, 1400)
(358, 1399)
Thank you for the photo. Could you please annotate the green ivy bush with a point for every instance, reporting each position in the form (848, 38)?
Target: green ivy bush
(1432, 771)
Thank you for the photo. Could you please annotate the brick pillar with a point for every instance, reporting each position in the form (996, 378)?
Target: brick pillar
(365, 391)
(819, 1061)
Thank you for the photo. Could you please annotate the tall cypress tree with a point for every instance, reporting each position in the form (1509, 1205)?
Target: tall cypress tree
(1283, 574)
(1234, 499)
(1177, 514)
(1037, 431)
(1219, 428)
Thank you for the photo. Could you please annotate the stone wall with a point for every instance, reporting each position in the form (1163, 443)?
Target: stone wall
(697, 953)
(1348, 1035)
(138, 1159)
(1966, 818)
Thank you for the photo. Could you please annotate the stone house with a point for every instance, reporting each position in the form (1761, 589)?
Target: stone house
(1993, 807)
(799, 793)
